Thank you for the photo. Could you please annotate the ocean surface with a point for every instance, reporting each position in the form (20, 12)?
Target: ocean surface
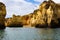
(30, 34)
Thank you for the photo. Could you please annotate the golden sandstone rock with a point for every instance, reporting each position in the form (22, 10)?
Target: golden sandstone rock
(15, 21)
(48, 14)
(2, 15)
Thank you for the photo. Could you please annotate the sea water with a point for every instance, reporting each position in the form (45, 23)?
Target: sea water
(30, 34)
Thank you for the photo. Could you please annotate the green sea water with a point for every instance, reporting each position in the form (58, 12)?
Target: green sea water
(30, 34)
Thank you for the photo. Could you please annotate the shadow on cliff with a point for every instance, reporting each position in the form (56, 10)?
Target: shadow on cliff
(2, 27)
(53, 25)
(16, 25)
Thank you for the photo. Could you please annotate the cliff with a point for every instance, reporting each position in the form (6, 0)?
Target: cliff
(2, 15)
(45, 16)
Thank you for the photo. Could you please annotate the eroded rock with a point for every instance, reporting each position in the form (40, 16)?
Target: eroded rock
(2, 15)
(45, 17)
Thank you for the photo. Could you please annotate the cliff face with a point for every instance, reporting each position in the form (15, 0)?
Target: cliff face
(47, 12)
(58, 10)
(14, 21)
(2, 14)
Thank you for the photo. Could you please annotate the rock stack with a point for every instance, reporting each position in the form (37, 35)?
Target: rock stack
(50, 13)
(2, 15)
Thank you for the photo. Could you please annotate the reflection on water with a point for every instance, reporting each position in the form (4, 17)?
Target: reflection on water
(1, 34)
(29, 34)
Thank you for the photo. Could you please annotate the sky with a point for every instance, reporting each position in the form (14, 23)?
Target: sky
(22, 7)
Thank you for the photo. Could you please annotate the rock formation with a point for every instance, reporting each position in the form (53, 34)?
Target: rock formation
(15, 21)
(2, 15)
(47, 15)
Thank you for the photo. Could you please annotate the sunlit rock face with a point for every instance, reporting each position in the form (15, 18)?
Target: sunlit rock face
(49, 11)
(15, 21)
(2, 14)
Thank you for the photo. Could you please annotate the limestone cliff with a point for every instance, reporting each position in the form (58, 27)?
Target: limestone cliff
(2, 14)
(47, 12)
(14, 21)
